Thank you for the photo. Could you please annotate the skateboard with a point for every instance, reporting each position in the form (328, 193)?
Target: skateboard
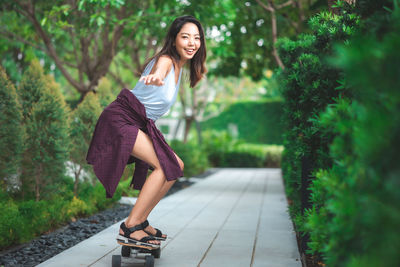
(146, 255)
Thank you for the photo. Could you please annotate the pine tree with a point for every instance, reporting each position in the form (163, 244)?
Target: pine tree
(31, 87)
(11, 130)
(83, 121)
(105, 93)
(47, 143)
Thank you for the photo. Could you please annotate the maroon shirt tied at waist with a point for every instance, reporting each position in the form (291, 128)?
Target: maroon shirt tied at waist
(113, 140)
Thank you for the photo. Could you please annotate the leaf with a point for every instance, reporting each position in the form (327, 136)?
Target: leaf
(43, 21)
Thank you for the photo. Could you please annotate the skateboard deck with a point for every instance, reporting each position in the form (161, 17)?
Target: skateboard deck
(145, 254)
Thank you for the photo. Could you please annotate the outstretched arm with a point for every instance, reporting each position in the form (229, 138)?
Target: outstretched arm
(163, 66)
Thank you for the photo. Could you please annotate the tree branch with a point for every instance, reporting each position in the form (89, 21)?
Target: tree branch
(266, 7)
(270, 7)
(12, 37)
(118, 80)
(288, 3)
(29, 12)
(293, 23)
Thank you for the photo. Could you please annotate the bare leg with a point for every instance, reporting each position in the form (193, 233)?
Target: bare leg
(143, 149)
(167, 185)
(153, 189)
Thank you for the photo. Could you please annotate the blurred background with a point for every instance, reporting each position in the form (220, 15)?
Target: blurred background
(309, 86)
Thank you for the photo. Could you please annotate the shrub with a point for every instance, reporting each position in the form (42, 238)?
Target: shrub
(77, 207)
(241, 159)
(193, 157)
(21, 221)
(309, 86)
(47, 142)
(83, 122)
(216, 144)
(11, 225)
(98, 199)
(126, 189)
(225, 151)
(269, 154)
(346, 145)
(267, 113)
(11, 130)
(355, 217)
(104, 91)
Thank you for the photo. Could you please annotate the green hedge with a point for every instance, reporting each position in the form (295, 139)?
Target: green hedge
(248, 116)
(224, 151)
(35, 196)
(341, 164)
(21, 221)
(356, 215)
(308, 86)
(192, 155)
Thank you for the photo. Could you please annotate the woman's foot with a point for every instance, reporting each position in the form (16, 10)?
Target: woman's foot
(153, 231)
(138, 235)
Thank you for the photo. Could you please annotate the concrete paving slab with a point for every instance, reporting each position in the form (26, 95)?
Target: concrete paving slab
(234, 217)
(87, 251)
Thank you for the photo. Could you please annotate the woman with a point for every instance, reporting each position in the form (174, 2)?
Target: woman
(126, 133)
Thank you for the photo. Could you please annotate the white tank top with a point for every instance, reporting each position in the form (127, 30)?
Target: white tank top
(157, 100)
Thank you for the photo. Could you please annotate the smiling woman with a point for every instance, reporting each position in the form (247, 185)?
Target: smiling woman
(188, 41)
(126, 131)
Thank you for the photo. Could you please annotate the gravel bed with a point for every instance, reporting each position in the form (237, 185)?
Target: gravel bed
(49, 245)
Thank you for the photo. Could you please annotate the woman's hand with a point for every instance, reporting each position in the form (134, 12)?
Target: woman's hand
(152, 79)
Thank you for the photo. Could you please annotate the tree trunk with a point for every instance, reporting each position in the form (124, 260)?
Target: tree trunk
(177, 128)
(198, 128)
(37, 182)
(270, 7)
(274, 40)
(188, 124)
(76, 183)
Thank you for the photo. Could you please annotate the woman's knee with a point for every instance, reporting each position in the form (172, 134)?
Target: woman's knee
(180, 162)
(159, 170)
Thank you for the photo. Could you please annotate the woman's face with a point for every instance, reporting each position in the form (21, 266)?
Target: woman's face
(187, 41)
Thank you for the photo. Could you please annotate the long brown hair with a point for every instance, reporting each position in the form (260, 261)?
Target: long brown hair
(197, 63)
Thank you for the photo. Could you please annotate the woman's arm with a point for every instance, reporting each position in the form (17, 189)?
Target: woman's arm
(159, 72)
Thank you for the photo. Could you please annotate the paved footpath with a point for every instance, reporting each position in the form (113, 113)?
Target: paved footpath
(235, 217)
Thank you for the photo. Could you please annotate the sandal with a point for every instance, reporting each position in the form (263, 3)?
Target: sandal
(126, 240)
(157, 236)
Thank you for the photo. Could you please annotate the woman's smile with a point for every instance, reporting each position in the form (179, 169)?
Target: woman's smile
(187, 41)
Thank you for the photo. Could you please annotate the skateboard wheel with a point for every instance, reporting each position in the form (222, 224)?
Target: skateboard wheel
(156, 253)
(149, 261)
(125, 251)
(116, 261)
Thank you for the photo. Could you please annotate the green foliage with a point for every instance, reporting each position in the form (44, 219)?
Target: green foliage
(360, 207)
(248, 116)
(223, 150)
(10, 220)
(11, 130)
(126, 189)
(270, 155)
(308, 86)
(45, 119)
(246, 35)
(45, 200)
(21, 221)
(193, 157)
(351, 140)
(216, 144)
(83, 122)
(31, 87)
(105, 92)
